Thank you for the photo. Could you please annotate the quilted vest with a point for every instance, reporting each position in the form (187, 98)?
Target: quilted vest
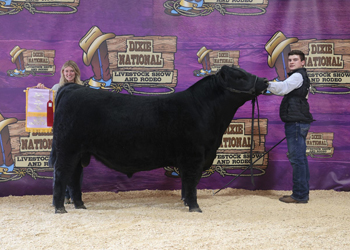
(294, 106)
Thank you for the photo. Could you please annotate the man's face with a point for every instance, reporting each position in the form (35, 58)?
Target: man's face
(294, 62)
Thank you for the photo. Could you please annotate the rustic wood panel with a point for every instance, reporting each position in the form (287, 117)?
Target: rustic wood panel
(160, 43)
(17, 131)
(47, 53)
(50, 54)
(34, 2)
(341, 47)
(328, 137)
(168, 63)
(263, 5)
(248, 126)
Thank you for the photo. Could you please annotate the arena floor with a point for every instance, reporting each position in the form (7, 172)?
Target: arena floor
(232, 219)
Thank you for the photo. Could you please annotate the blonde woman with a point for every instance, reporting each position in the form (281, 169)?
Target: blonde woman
(70, 72)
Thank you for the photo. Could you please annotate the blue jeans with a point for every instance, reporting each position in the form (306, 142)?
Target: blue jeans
(296, 141)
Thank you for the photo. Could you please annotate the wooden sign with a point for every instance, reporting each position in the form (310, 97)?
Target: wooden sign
(224, 7)
(39, 61)
(219, 58)
(53, 2)
(255, 3)
(143, 61)
(39, 6)
(234, 151)
(320, 145)
(327, 61)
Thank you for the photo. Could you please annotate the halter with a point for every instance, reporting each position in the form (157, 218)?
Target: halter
(249, 92)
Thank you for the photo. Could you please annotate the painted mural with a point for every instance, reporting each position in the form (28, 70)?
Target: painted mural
(160, 47)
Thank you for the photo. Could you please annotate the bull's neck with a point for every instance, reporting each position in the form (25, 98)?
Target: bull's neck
(222, 103)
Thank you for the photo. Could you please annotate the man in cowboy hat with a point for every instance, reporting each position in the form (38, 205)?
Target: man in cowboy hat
(6, 161)
(295, 113)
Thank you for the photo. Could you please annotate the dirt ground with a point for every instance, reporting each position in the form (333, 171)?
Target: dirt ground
(231, 219)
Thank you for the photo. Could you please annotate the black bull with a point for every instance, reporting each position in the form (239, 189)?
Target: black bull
(130, 133)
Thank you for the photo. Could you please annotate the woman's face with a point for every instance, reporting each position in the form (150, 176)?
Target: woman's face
(69, 74)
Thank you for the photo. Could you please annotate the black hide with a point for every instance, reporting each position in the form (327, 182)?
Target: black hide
(137, 133)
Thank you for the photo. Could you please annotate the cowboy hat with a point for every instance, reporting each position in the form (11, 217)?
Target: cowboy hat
(276, 45)
(91, 42)
(191, 4)
(4, 122)
(15, 52)
(202, 53)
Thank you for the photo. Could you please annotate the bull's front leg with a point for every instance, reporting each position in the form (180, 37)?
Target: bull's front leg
(64, 170)
(190, 179)
(183, 190)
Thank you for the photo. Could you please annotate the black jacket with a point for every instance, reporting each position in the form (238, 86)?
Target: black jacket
(294, 106)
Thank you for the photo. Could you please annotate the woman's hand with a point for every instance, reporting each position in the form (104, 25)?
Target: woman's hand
(40, 86)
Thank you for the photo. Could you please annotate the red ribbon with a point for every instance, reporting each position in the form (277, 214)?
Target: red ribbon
(49, 113)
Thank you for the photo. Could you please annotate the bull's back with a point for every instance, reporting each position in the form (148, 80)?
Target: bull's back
(123, 130)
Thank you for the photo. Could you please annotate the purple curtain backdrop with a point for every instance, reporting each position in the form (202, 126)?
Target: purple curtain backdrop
(248, 34)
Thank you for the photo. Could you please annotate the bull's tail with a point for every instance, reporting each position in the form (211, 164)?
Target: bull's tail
(85, 159)
(52, 159)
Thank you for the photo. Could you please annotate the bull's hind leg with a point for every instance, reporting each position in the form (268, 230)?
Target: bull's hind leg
(59, 190)
(183, 193)
(63, 170)
(183, 190)
(75, 187)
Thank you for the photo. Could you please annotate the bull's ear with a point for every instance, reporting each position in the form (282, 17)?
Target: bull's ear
(223, 73)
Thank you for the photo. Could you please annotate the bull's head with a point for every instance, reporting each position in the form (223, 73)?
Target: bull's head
(238, 80)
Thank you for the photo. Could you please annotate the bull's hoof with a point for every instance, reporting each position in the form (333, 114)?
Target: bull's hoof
(185, 203)
(80, 207)
(197, 209)
(61, 210)
(67, 201)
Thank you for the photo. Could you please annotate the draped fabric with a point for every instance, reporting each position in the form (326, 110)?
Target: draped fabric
(160, 47)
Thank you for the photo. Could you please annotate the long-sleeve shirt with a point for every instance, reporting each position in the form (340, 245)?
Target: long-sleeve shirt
(55, 87)
(284, 87)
